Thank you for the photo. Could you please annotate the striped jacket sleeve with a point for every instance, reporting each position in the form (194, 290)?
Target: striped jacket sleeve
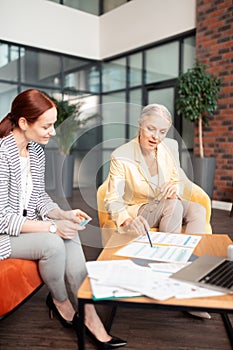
(10, 221)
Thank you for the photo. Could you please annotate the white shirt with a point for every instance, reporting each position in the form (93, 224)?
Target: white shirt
(154, 181)
(26, 182)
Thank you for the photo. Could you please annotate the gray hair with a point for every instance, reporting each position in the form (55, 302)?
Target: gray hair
(156, 110)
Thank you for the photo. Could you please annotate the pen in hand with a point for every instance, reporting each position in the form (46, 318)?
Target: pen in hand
(148, 235)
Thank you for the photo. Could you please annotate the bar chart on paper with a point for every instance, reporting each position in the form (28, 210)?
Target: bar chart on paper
(165, 253)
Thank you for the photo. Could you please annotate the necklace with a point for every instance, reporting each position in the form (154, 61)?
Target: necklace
(151, 160)
(152, 164)
(26, 183)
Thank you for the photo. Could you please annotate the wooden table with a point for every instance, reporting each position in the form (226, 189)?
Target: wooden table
(209, 244)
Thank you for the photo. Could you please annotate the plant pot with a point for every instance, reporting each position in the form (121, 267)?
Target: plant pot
(64, 174)
(203, 171)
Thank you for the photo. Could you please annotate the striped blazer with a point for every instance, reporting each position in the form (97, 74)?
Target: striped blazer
(11, 219)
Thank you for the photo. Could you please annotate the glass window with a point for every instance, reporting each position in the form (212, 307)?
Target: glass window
(85, 80)
(113, 119)
(72, 64)
(76, 81)
(40, 68)
(135, 69)
(114, 75)
(94, 79)
(4, 59)
(162, 63)
(112, 4)
(189, 53)
(80, 75)
(90, 6)
(13, 53)
(7, 94)
(88, 136)
(76, 73)
(135, 108)
(9, 55)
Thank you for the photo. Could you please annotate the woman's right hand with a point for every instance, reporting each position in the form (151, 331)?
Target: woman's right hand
(169, 190)
(138, 225)
(67, 229)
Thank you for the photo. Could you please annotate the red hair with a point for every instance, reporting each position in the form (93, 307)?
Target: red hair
(29, 104)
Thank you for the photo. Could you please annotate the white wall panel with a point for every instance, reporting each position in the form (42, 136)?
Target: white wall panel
(47, 25)
(141, 22)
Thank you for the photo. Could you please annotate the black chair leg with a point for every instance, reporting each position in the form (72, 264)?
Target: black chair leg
(228, 327)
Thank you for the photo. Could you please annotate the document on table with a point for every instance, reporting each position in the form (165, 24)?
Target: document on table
(97, 270)
(177, 239)
(162, 284)
(123, 278)
(166, 253)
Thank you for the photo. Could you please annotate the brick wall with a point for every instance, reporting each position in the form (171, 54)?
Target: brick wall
(214, 47)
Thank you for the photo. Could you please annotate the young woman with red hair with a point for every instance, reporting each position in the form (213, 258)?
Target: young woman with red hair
(32, 226)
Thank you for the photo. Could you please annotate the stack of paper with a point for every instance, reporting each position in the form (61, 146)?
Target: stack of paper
(123, 278)
(97, 271)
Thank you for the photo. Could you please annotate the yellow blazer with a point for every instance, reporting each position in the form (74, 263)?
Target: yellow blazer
(129, 183)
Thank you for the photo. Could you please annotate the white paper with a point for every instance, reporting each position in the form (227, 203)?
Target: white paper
(176, 239)
(168, 268)
(131, 276)
(100, 291)
(123, 278)
(98, 269)
(157, 253)
(164, 287)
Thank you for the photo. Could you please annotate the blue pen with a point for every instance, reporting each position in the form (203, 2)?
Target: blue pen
(149, 238)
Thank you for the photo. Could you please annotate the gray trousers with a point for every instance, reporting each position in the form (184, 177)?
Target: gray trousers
(168, 215)
(61, 262)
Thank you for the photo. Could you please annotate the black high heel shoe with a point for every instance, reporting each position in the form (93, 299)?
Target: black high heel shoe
(54, 311)
(113, 343)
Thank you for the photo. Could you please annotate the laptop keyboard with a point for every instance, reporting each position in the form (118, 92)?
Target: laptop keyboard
(221, 276)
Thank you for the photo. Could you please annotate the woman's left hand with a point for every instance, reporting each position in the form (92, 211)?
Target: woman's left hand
(169, 190)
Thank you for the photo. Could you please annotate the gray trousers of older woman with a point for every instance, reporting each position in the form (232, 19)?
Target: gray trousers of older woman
(168, 215)
(61, 262)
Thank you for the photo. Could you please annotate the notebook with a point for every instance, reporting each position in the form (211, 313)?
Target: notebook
(208, 271)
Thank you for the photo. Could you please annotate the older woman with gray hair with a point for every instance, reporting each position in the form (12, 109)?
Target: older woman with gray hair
(145, 185)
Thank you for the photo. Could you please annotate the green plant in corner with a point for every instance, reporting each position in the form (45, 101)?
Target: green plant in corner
(197, 96)
(70, 119)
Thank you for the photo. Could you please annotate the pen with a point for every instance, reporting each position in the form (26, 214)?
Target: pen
(147, 232)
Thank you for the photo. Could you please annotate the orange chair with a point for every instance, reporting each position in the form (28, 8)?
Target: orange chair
(19, 279)
(191, 192)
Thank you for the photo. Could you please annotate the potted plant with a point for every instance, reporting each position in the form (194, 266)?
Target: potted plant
(197, 96)
(70, 120)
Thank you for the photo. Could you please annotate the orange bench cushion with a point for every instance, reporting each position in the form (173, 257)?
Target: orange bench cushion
(18, 279)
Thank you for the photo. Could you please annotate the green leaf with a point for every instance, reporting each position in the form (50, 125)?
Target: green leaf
(197, 93)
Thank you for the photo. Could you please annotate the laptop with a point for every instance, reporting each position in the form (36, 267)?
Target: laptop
(209, 271)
